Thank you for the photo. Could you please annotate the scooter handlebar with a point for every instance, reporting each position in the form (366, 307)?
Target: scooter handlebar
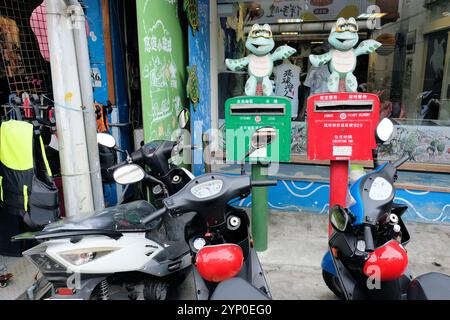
(155, 215)
(401, 161)
(368, 238)
(117, 166)
(265, 183)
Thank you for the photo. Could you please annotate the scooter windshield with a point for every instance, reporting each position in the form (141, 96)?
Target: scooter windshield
(118, 218)
(373, 195)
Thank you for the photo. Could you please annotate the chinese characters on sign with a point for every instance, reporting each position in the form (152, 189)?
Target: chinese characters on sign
(290, 11)
(288, 86)
(162, 63)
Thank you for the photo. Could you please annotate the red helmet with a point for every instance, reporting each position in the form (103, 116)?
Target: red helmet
(389, 262)
(219, 263)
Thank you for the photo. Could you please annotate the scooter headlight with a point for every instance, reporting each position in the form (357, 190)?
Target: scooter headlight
(44, 263)
(80, 257)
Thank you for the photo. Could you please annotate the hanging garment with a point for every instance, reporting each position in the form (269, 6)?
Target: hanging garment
(10, 47)
(26, 184)
(317, 80)
(287, 82)
(101, 113)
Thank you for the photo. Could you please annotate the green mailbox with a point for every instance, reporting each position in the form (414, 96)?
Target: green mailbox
(244, 116)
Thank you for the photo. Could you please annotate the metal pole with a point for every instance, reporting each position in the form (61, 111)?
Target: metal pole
(260, 208)
(90, 123)
(69, 116)
(338, 185)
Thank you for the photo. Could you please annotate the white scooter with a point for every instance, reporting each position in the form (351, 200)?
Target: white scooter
(85, 257)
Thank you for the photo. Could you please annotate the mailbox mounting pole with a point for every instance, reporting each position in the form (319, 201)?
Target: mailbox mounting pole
(260, 208)
(338, 185)
(245, 116)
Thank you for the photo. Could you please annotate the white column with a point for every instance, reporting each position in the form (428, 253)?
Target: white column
(70, 123)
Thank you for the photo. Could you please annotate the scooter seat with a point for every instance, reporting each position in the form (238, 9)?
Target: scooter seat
(430, 286)
(237, 289)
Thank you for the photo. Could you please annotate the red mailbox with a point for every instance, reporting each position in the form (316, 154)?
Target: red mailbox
(341, 126)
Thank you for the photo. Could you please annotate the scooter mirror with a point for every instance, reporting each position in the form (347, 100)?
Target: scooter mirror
(183, 118)
(106, 140)
(339, 218)
(129, 174)
(385, 130)
(263, 137)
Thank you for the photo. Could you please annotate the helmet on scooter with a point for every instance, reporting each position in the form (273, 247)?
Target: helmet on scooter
(219, 263)
(388, 262)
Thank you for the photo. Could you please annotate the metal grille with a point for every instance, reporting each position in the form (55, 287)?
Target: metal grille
(24, 46)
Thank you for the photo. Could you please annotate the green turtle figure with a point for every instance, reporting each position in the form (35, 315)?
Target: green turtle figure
(191, 9)
(192, 87)
(260, 61)
(342, 57)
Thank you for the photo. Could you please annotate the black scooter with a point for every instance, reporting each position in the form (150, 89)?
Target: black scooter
(226, 264)
(367, 258)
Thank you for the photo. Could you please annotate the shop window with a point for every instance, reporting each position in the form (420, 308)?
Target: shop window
(410, 72)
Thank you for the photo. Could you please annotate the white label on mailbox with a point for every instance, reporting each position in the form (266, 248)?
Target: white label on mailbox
(259, 153)
(342, 151)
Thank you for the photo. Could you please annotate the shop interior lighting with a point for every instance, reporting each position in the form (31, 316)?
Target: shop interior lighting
(298, 20)
(372, 15)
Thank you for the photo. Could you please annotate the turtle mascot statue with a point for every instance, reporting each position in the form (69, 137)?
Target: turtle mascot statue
(342, 57)
(260, 61)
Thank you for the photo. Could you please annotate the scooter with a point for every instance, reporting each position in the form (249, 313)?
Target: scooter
(367, 257)
(226, 264)
(83, 256)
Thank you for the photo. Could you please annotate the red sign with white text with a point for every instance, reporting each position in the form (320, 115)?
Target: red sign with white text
(341, 126)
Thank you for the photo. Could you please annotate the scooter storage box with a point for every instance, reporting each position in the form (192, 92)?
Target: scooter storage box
(44, 203)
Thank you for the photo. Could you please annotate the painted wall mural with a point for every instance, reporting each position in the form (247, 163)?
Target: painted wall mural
(299, 196)
(426, 142)
(163, 76)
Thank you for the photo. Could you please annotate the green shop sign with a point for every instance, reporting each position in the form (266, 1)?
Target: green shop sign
(162, 65)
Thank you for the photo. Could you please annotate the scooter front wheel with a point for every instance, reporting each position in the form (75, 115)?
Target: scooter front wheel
(333, 284)
(155, 289)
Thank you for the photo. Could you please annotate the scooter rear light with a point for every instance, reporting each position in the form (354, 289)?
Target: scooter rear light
(388, 262)
(334, 251)
(219, 263)
(65, 291)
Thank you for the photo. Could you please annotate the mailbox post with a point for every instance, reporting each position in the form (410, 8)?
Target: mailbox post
(244, 116)
(341, 128)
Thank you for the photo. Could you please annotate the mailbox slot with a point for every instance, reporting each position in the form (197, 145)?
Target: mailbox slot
(349, 106)
(258, 109)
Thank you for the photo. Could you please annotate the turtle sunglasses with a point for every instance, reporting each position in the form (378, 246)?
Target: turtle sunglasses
(352, 27)
(260, 33)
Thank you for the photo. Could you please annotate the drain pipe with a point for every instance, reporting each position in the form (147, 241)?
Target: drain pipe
(69, 116)
(84, 73)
